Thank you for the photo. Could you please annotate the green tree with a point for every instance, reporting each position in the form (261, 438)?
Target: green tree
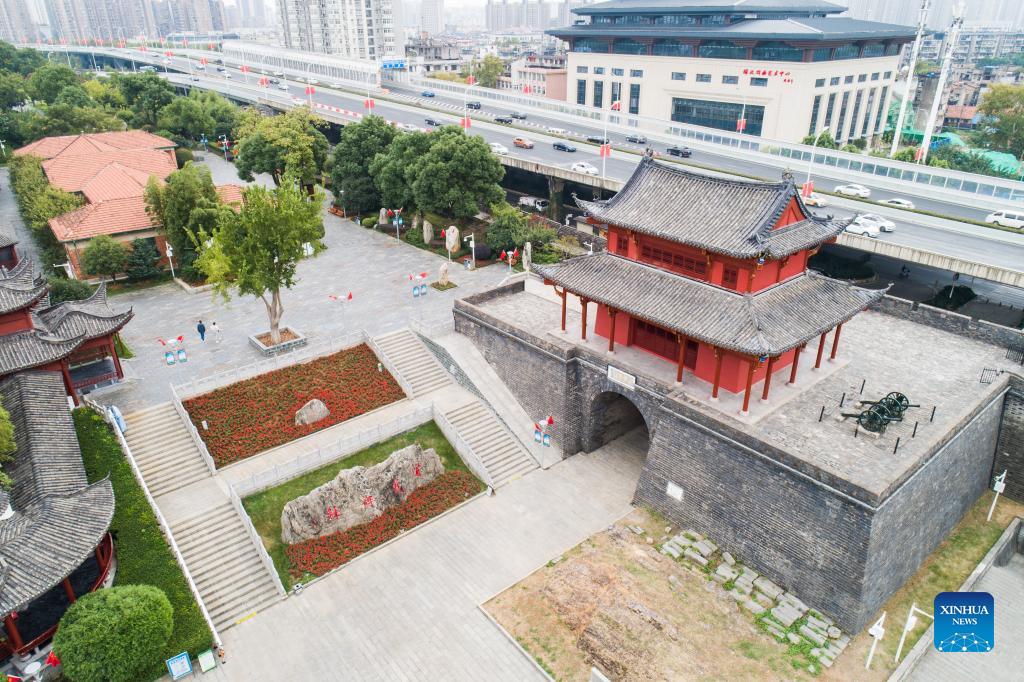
(287, 144)
(74, 96)
(38, 202)
(7, 445)
(183, 155)
(142, 260)
(184, 206)
(145, 94)
(924, 67)
(105, 93)
(64, 119)
(12, 90)
(825, 140)
(185, 118)
(392, 169)
(256, 251)
(114, 635)
(350, 161)
(1004, 106)
(223, 112)
(104, 256)
(23, 61)
(907, 154)
(458, 175)
(487, 70)
(508, 227)
(64, 289)
(48, 80)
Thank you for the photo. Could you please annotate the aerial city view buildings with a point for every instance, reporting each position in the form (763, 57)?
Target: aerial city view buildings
(511, 339)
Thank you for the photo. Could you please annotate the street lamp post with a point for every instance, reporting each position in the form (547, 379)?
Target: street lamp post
(170, 258)
(810, 161)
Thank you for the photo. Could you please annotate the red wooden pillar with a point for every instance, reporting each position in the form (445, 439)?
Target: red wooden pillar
(563, 294)
(796, 364)
(718, 374)
(751, 365)
(611, 335)
(117, 360)
(583, 319)
(821, 349)
(68, 386)
(835, 342)
(12, 632)
(681, 340)
(69, 591)
(768, 378)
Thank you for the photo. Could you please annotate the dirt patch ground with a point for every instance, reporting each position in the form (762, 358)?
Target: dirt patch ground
(616, 603)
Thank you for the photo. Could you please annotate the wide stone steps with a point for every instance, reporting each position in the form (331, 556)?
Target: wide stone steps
(164, 450)
(224, 564)
(501, 454)
(414, 362)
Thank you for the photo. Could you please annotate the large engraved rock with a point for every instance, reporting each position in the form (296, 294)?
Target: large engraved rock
(312, 412)
(359, 494)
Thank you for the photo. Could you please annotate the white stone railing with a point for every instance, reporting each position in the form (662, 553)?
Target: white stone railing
(466, 452)
(192, 432)
(257, 542)
(390, 366)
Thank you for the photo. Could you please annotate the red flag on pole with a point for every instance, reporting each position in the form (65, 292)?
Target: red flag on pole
(465, 122)
(551, 420)
(368, 103)
(470, 80)
(616, 106)
(52, 659)
(919, 153)
(244, 69)
(527, 89)
(807, 188)
(515, 254)
(350, 295)
(741, 125)
(502, 256)
(605, 150)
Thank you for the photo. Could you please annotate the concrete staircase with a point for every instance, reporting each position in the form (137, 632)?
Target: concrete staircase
(417, 365)
(502, 455)
(164, 450)
(224, 564)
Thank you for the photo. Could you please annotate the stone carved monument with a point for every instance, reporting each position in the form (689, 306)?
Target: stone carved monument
(451, 239)
(312, 412)
(527, 256)
(359, 494)
(428, 232)
(442, 275)
(383, 218)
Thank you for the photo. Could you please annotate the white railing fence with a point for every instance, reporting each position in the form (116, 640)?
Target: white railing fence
(164, 526)
(390, 366)
(190, 389)
(461, 446)
(334, 452)
(432, 328)
(257, 542)
(192, 432)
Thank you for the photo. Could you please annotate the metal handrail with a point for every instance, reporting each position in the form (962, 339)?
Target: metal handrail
(164, 526)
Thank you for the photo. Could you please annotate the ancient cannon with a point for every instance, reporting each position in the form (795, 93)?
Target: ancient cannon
(880, 413)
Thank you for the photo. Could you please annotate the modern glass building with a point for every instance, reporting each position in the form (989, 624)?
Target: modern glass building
(778, 68)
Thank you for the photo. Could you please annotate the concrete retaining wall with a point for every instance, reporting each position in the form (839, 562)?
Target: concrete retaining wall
(1006, 337)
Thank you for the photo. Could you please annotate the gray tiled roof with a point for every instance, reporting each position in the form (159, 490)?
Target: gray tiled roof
(19, 288)
(769, 322)
(730, 217)
(33, 348)
(708, 6)
(89, 318)
(817, 29)
(59, 519)
(7, 240)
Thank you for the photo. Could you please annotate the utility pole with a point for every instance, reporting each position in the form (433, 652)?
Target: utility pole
(911, 85)
(940, 90)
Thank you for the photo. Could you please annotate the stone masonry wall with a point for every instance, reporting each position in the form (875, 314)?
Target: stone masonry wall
(1010, 449)
(912, 522)
(1006, 337)
(796, 531)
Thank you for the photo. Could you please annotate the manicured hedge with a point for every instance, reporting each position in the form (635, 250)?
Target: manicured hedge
(143, 556)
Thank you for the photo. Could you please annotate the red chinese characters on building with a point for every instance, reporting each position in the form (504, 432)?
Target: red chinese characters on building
(786, 76)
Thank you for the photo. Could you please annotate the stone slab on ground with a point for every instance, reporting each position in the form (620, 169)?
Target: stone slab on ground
(728, 558)
(694, 556)
(705, 548)
(785, 614)
(812, 635)
(768, 587)
(727, 573)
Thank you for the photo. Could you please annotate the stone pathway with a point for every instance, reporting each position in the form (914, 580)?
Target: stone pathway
(409, 611)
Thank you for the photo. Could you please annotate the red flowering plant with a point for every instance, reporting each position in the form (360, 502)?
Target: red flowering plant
(320, 555)
(254, 415)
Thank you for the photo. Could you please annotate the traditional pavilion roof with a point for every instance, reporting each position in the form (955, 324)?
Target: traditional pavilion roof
(730, 217)
(59, 518)
(768, 322)
(33, 348)
(89, 318)
(19, 287)
(7, 240)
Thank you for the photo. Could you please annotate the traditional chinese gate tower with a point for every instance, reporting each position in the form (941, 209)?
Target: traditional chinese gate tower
(711, 274)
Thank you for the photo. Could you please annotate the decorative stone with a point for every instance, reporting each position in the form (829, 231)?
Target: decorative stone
(763, 599)
(704, 547)
(793, 638)
(527, 261)
(442, 275)
(668, 529)
(726, 572)
(693, 535)
(738, 595)
(382, 218)
(753, 607)
(789, 598)
(727, 558)
(785, 614)
(818, 624)
(834, 632)
(713, 546)
(428, 232)
(312, 412)
(750, 574)
(673, 581)
(812, 636)
(671, 550)
(637, 529)
(694, 556)
(768, 587)
(359, 494)
(775, 630)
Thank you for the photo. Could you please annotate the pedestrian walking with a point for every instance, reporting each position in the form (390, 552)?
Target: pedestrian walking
(201, 328)
(216, 331)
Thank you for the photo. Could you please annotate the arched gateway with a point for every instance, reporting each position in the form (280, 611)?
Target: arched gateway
(615, 419)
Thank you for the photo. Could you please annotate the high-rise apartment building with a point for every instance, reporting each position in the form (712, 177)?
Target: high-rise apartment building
(16, 22)
(941, 13)
(358, 29)
(432, 17)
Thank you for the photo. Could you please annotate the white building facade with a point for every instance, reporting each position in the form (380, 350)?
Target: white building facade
(789, 73)
(432, 17)
(357, 29)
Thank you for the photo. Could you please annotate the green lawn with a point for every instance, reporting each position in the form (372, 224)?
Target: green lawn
(264, 508)
(143, 556)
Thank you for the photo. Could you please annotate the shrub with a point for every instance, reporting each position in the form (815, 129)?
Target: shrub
(183, 155)
(142, 260)
(370, 221)
(62, 289)
(104, 256)
(112, 635)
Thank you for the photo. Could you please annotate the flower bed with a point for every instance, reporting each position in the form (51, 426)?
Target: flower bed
(259, 413)
(320, 555)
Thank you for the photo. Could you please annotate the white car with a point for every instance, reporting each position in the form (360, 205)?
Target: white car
(883, 224)
(558, 131)
(853, 190)
(313, 81)
(815, 199)
(1012, 219)
(282, 86)
(898, 203)
(408, 127)
(499, 148)
(583, 167)
(864, 229)
(227, 75)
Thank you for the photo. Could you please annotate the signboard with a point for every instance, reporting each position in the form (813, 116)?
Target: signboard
(621, 378)
(392, 64)
(674, 491)
(786, 76)
(179, 666)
